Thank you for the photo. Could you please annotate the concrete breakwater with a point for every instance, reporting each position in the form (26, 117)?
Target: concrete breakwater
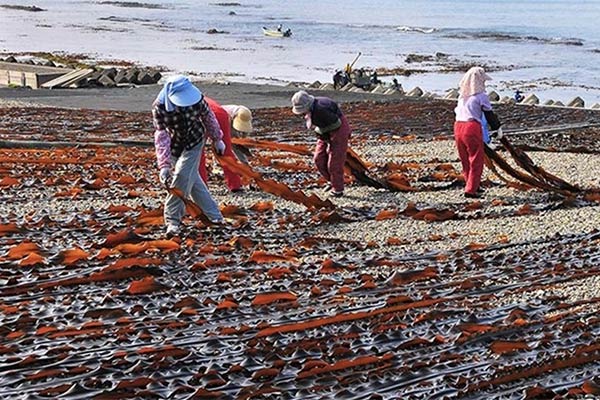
(48, 75)
(450, 94)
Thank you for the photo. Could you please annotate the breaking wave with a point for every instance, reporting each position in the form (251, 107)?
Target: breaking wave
(415, 29)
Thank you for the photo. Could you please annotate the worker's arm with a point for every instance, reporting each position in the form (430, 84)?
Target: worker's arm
(213, 129)
(162, 139)
(210, 122)
(162, 146)
(491, 118)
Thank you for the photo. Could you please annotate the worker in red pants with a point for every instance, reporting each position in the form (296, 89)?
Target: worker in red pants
(333, 133)
(234, 182)
(473, 106)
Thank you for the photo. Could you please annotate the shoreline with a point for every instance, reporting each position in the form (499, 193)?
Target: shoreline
(417, 74)
(253, 95)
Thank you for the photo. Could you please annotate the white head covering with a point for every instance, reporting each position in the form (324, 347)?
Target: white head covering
(473, 82)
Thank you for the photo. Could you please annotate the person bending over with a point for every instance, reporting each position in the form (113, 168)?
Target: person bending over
(182, 121)
(333, 132)
(229, 117)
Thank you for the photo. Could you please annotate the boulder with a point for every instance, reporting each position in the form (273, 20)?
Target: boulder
(95, 76)
(558, 104)
(110, 72)
(549, 102)
(507, 100)
(356, 90)
(155, 75)
(327, 86)
(106, 81)
(131, 76)
(315, 85)
(452, 95)
(83, 83)
(494, 96)
(531, 99)
(596, 106)
(213, 31)
(378, 89)
(120, 76)
(144, 78)
(49, 63)
(415, 92)
(347, 87)
(392, 91)
(10, 59)
(576, 102)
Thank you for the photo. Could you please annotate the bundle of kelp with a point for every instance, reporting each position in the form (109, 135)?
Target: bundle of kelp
(534, 176)
(354, 165)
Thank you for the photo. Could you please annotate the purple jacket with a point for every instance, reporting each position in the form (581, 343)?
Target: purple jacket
(325, 113)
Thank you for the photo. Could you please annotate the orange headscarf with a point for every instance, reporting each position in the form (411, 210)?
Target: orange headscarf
(473, 82)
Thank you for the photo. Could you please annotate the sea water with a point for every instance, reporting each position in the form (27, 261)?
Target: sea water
(547, 47)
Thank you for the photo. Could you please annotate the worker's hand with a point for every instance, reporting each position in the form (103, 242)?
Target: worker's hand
(165, 176)
(220, 147)
(491, 146)
(497, 134)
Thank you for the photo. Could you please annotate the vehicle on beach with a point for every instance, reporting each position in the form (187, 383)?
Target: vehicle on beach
(276, 32)
(358, 77)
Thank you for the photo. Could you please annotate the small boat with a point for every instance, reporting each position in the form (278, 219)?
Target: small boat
(276, 32)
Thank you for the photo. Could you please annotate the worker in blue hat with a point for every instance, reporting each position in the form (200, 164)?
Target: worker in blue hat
(183, 121)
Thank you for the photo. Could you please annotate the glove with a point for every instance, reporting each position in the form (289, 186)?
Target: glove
(165, 176)
(491, 146)
(220, 147)
(499, 135)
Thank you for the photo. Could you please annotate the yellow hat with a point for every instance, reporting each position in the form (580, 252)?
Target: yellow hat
(242, 121)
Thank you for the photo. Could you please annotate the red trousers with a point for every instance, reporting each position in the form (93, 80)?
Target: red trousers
(330, 156)
(233, 181)
(469, 143)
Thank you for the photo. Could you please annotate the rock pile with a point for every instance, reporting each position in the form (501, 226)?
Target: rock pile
(112, 77)
(100, 77)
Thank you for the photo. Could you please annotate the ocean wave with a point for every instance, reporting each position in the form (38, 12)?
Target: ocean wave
(235, 4)
(510, 37)
(363, 25)
(415, 29)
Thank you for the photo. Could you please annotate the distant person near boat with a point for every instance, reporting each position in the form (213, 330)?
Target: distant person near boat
(518, 96)
(277, 32)
(340, 79)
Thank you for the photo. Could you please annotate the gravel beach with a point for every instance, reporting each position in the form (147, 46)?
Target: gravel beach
(360, 301)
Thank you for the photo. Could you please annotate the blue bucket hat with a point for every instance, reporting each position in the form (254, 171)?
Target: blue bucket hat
(178, 91)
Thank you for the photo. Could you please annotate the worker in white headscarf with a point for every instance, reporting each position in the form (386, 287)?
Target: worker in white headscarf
(472, 110)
